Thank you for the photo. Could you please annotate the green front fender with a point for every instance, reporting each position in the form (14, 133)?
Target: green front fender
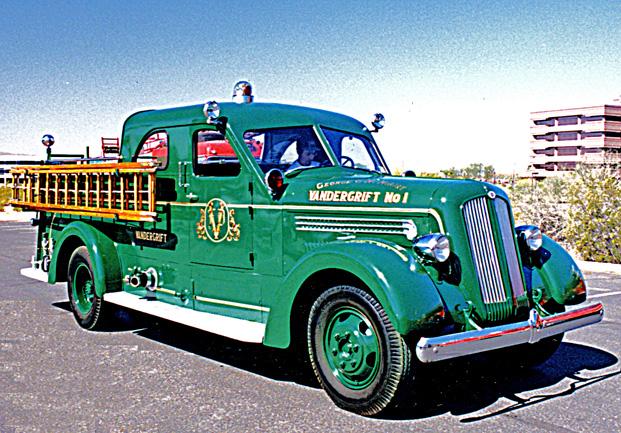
(559, 278)
(101, 249)
(389, 272)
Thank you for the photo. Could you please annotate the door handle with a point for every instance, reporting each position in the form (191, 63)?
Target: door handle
(192, 197)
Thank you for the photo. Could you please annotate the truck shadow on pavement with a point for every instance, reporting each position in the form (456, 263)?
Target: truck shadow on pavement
(463, 388)
(475, 389)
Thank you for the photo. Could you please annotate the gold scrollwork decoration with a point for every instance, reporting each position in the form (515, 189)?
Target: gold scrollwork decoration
(217, 222)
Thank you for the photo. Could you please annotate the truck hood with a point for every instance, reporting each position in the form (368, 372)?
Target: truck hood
(337, 186)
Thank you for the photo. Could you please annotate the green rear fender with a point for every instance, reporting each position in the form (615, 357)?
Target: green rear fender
(101, 249)
(559, 277)
(399, 283)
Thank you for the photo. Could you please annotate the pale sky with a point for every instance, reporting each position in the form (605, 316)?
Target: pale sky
(456, 80)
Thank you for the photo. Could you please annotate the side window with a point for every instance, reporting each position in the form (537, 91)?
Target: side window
(283, 148)
(352, 148)
(155, 147)
(214, 155)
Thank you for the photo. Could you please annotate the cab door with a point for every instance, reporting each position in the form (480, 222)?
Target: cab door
(222, 193)
(219, 191)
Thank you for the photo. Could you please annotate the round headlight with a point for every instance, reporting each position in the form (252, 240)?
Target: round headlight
(434, 247)
(531, 236)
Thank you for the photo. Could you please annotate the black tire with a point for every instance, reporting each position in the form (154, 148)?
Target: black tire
(358, 357)
(86, 306)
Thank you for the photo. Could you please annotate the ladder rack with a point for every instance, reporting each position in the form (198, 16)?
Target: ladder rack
(124, 191)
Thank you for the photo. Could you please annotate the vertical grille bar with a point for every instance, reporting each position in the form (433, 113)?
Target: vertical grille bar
(506, 231)
(480, 235)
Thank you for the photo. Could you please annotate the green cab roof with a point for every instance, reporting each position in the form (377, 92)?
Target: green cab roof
(241, 117)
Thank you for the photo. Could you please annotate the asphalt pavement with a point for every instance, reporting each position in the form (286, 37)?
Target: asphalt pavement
(147, 375)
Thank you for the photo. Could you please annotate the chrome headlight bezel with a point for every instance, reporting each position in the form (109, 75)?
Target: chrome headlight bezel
(434, 247)
(530, 236)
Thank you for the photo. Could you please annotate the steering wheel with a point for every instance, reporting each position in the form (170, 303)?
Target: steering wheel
(346, 161)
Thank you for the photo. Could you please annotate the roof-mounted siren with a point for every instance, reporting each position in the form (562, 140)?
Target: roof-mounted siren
(242, 93)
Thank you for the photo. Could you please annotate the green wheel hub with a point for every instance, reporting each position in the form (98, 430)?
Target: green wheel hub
(83, 289)
(352, 348)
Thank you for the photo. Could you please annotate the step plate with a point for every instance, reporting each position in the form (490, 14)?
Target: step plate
(238, 329)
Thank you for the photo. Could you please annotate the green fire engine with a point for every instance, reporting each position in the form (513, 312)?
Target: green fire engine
(282, 225)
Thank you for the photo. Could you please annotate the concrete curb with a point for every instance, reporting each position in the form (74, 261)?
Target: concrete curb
(609, 268)
(12, 216)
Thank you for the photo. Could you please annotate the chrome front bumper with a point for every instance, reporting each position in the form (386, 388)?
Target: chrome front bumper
(530, 331)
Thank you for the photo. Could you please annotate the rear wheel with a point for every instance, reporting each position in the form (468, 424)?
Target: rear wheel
(86, 306)
(357, 355)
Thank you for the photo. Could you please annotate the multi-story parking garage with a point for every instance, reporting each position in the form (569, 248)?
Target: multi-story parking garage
(562, 139)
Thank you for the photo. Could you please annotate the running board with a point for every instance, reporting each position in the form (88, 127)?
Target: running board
(35, 274)
(238, 329)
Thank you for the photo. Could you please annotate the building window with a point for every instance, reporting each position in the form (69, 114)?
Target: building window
(546, 137)
(545, 122)
(587, 119)
(567, 120)
(567, 151)
(590, 134)
(591, 150)
(565, 136)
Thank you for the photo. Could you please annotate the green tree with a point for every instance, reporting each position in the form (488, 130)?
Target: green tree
(452, 173)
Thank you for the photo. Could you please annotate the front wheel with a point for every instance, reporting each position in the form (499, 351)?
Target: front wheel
(358, 357)
(86, 306)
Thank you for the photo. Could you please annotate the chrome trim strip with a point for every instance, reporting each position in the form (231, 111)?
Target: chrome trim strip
(231, 304)
(434, 213)
(531, 331)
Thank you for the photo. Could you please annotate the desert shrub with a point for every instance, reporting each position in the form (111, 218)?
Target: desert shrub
(5, 195)
(594, 214)
(544, 204)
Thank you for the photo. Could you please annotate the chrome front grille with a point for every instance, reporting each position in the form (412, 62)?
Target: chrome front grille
(484, 247)
(481, 237)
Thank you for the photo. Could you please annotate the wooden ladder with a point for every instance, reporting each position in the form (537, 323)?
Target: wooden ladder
(124, 191)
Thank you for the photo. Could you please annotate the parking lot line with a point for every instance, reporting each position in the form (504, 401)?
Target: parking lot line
(601, 295)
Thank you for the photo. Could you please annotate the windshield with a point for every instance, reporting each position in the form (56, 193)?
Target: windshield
(288, 149)
(355, 151)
